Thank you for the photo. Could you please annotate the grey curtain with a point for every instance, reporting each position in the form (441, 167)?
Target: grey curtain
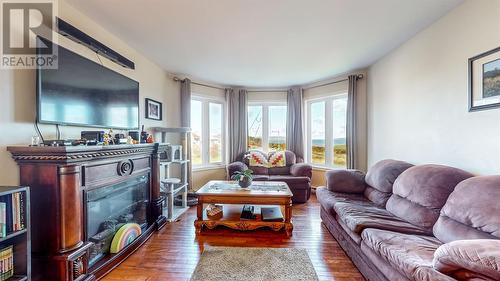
(294, 132)
(237, 122)
(351, 122)
(186, 122)
(186, 103)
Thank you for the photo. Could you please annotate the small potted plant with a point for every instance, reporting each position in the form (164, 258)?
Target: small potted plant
(244, 178)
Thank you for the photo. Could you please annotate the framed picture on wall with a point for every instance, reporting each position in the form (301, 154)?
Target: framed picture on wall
(153, 109)
(484, 81)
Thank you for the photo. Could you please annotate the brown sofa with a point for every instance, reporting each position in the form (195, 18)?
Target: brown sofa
(405, 222)
(296, 174)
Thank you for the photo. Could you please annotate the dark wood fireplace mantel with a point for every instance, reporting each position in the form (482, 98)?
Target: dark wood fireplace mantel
(59, 178)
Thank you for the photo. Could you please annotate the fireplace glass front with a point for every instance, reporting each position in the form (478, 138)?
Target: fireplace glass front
(110, 207)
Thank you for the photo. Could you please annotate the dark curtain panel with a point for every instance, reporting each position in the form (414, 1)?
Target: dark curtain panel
(237, 122)
(351, 122)
(294, 132)
(186, 103)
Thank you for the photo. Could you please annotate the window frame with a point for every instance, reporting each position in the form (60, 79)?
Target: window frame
(205, 131)
(265, 120)
(329, 144)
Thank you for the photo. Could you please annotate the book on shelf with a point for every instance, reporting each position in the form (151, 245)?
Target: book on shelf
(12, 216)
(6, 263)
(271, 214)
(3, 219)
(247, 212)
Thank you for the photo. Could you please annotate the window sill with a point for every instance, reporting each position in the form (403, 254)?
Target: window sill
(209, 167)
(326, 168)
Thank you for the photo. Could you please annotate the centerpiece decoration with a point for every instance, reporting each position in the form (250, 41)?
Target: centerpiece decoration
(244, 178)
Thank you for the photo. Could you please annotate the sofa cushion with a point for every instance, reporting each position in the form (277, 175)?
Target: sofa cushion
(260, 177)
(346, 181)
(361, 215)
(259, 170)
(478, 257)
(411, 255)
(291, 180)
(384, 267)
(328, 199)
(279, 170)
(472, 211)
(356, 237)
(291, 158)
(381, 177)
(377, 197)
(420, 192)
(301, 169)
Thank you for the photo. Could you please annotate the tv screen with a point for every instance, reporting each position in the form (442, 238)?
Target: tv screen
(83, 93)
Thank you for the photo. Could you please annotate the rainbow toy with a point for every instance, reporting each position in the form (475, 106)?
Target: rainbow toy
(124, 236)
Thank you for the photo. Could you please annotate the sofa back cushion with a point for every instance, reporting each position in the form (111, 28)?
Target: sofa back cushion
(420, 192)
(380, 179)
(471, 212)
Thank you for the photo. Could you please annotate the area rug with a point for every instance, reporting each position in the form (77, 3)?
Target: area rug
(254, 264)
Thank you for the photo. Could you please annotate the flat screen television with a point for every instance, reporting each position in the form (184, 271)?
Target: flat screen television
(81, 92)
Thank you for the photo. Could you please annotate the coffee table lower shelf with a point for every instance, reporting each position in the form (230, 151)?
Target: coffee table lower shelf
(231, 219)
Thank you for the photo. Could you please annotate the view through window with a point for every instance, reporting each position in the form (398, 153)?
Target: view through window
(255, 127)
(327, 131)
(207, 135)
(196, 132)
(267, 126)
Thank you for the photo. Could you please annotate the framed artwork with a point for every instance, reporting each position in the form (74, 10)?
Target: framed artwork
(484, 81)
(153, 109)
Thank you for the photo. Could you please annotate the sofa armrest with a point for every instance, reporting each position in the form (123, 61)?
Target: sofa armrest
(235, 167)
(345, 181)
(463, 259)
(301, 170)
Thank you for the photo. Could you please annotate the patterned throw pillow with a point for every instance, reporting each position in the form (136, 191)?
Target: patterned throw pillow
(258, 159)
(277, 159)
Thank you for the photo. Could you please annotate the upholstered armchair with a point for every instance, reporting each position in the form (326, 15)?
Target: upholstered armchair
(295, 173)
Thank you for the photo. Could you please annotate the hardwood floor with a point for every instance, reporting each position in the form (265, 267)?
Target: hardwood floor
(173, 252)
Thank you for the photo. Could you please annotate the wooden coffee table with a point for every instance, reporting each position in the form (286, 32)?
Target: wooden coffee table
(232, 197)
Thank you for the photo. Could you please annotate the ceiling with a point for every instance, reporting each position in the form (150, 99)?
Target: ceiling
(264, 43)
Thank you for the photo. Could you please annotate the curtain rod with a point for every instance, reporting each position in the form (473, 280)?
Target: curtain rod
(177, 79)
(359, 76)
(267, 91)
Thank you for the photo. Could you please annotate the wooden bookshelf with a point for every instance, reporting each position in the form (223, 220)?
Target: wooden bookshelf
(20, 240)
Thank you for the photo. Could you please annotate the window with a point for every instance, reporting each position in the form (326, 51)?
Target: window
(207, 135)
(215, 119)
(196, 132)
(255, 127)
(267, 126)
(326, 127)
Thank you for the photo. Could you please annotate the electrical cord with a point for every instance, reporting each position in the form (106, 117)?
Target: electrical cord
(38, 131)
(58, 132)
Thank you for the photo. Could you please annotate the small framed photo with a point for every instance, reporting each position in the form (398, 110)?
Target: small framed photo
(153, 109)
(484, 81)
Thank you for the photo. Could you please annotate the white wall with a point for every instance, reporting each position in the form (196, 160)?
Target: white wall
(417, 95)
(17, 92)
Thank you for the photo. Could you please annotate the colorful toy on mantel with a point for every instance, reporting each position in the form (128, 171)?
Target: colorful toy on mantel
(124, 236)
(108, 138)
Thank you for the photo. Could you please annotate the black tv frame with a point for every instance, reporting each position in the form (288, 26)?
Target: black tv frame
(38, 93)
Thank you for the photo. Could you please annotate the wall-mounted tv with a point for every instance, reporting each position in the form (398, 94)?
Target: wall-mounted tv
(81, 92)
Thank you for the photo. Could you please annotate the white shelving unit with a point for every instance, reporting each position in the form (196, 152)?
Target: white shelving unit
(172, 187)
